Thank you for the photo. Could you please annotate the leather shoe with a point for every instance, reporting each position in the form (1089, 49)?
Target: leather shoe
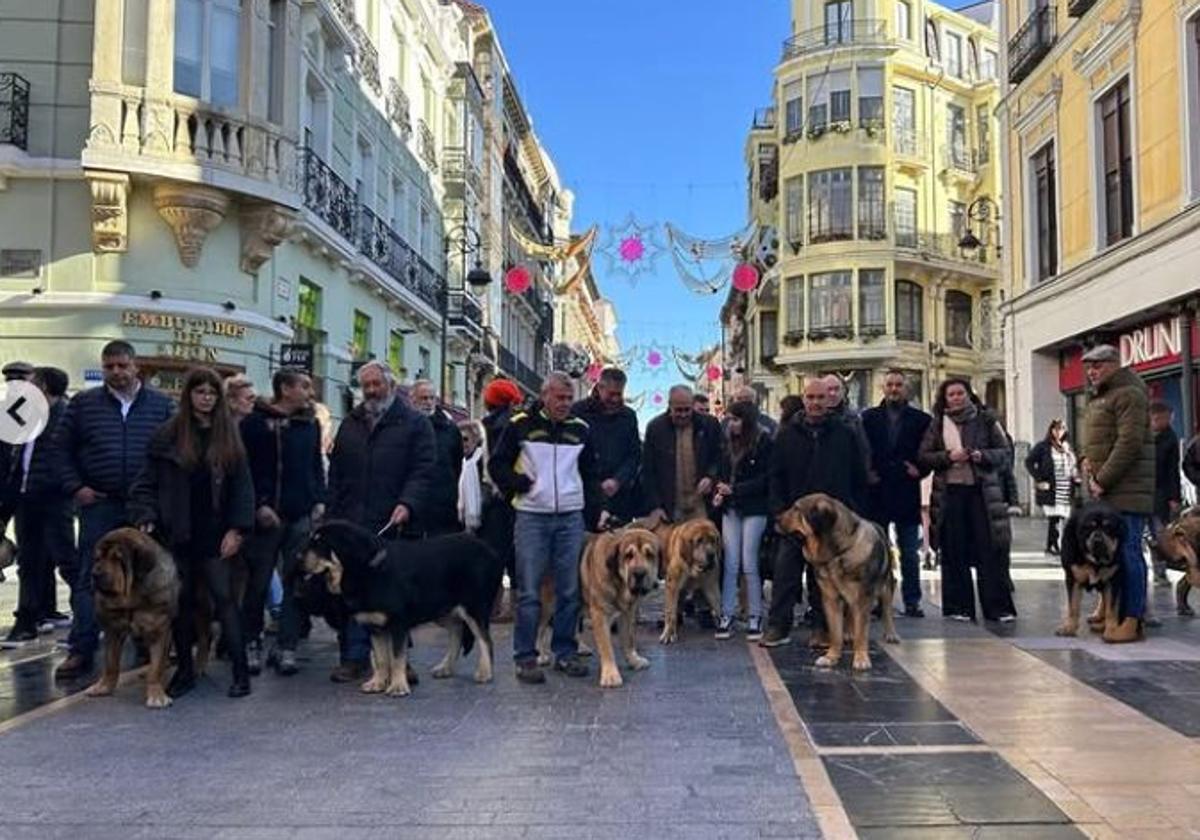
(182, 681)
(1129, 630)
(350, 672)
(75, 665)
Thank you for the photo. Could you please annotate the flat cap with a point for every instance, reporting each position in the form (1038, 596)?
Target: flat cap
(1102, 353)
(17, 370)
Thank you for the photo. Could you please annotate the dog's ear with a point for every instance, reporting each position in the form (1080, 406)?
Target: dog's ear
(821, 517)
(144, 559)
(612, 554)
(1069, 542)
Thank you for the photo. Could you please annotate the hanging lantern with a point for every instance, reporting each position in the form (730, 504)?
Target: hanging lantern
(518, 280)
(745, 277)
(713, 372)
(654, 359)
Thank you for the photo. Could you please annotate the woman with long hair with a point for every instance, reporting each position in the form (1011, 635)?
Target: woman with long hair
(741, 493)
(1052, 465)
(195, 494)
(967, 451)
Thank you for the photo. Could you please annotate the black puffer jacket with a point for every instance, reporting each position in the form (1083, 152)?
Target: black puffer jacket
(285, 459)
(982, 432)
(371, 470)
(749, 478)
(618, 452)
(822, 457)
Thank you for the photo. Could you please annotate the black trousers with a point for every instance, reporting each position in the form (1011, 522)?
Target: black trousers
(266, 549)
(201, 569)
(965, 541)
(496, 530)
(45, 542)
(787, 586)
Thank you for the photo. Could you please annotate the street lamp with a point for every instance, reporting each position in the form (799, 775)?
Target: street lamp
(980, 210)
(468, 241)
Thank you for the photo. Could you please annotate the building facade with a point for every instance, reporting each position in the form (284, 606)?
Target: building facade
(1102, 161)
(585, 325)
(246, 184)
(877, 155)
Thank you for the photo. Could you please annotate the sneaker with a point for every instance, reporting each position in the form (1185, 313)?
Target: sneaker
(529, 673)
(724, 628)
(58, 619)
(774, 638)
(75, 665)
(754, 629)
(914, 611)
(254, 658)
(960, 617)
(19, 636)
(1007, 618)
(349, 672)
(46, 626)
(1152, 621)
(285, 663)
(571, 666)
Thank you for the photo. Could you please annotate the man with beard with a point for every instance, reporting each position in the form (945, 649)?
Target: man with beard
(381, 473)
(440, 514)
(618, 448)
(283, 445)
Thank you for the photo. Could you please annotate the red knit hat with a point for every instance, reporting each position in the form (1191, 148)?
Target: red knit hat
(501, 392)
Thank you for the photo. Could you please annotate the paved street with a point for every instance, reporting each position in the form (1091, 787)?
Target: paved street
(960, 731)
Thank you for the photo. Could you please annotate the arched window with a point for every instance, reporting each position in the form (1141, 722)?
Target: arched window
(910, 309)
(958, 319)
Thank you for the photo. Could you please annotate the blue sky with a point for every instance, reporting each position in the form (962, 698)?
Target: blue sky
(644, 106)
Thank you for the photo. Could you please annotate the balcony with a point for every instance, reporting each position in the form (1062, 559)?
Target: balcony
(427, 146)
(764, 119)
(345, 10)
(459, 167)
(926, 247)
(1079, 8)
(388, 250)
(768, 172)
(14, 110)
(858, 33)
(1032, 42)
(329, 196)
(518, 370)
(366, 59)
(398, 109)
(911, 148)
(957, 157)
(465, 313)
(537, 220)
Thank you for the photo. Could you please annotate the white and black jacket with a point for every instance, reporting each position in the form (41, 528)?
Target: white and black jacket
(546, 467)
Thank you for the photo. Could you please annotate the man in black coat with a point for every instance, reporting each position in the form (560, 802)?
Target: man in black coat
(380, 474)
(675, 486)
(102, 440)
(813, 453)
(440, 514)
(45, 534)
(1168, 491)
(614, 436)
(894, 430)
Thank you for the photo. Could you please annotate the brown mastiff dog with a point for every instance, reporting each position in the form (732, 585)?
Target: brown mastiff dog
(692, 560)
(853, 563)
(137, 593)
(1179, 546)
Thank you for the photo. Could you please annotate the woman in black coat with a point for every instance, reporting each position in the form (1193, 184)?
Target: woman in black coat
(741, 495)
(1051, 463)
(967, 450)
(196, 495)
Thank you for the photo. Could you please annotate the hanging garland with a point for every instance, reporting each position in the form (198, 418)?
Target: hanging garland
(690, 253)
(631, 249)
(578, 248)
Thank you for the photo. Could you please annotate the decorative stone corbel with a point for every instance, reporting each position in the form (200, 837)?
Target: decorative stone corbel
(110, 216)
(192, 211)
(264, 226)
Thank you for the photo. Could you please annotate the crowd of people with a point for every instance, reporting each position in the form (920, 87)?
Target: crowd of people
(232, 483)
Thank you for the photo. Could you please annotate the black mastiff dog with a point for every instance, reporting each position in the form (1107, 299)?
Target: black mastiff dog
(393, 586)
(1091, 560)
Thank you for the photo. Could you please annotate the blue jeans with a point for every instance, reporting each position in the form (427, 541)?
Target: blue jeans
(354, 643)
(1133, 564)
(742, 536)
(95, 521)
(547, 542)
(908, 538)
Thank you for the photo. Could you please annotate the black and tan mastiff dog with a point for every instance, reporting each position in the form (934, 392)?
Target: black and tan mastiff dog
(691, 554)
(853, 562)
(137, 594)
(1091, 560)
(394, 586)
(1179, 546)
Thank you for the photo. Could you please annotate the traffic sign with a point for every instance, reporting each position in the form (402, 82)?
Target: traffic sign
(23, 412)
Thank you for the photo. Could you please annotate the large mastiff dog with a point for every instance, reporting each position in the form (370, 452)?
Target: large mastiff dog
(1179, 547)
(1091, 560)
(137, 593)
(853, 562)
(692, 556)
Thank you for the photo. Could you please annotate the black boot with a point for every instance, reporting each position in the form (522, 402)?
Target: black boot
(241, 675)
(1052, 536)
(183, 680)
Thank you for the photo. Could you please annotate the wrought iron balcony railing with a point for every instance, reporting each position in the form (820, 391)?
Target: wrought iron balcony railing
(459, 166)
(366, 59)
(14, 110)
(518, 370)
(398, 108)
(329, 196)
(388, 250)
(1033, 40)
(465, 311)
(345, 9)
(836, 34)
(427, 146)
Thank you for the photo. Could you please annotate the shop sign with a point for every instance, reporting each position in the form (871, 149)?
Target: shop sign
(296, 356)
(1151, 343)
(183, 323)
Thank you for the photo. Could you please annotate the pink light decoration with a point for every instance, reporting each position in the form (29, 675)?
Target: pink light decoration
(745, 277)
(517, 280)
(654, 358)
(658, 398)
(631, 249)
(593, 372)
(713, 373)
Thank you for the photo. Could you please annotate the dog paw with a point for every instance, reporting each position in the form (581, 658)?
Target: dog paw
(398, 690)
(637, 662)
(100, 689)
(441, 672)
(157, 699)
(482, 677)
(891, 638)
(862, 662)
(1065, 630)
(825, 661)
(668, 636)
(610, 679)
(372, 686)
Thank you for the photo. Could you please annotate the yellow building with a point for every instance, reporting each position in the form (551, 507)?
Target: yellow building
(1102, 157)
(878, 148)
(585, 324)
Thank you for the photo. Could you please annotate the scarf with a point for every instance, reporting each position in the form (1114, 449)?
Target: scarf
(687, 501)
(952, 439)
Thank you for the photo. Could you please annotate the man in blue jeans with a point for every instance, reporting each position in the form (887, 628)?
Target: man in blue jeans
(895, 429)
(545, 461)
(102, 442)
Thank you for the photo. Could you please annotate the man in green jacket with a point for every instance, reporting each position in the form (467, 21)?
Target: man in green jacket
(1118, 452)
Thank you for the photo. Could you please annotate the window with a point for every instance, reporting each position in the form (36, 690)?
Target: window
(958, 319)
(364, 173)
(991, 61)
(839, 106)
(1045, 212)
(793, 195)
(768, 335)
(397, 220)
(794, 291)
(1116, 163)
(839, 22)
(956, 136)
(308, 305)
(315, 116)
(829, 213)
(904, 121)
(903, 20)
(360, 340)
(793, 109)
(276, 56)
(426, 358)
(872, 317)
(818, 117)
(871, 203)
(910, 311)
(396, 351)
(958, 219)
(973, 60)
(870, 97)
(954, 56)
(983, 131)
(428, 106)
(933, 48)
(133, 43)
(207, 49)
(987, 321)
(906, 218)
(830, 301)
(1191, 71)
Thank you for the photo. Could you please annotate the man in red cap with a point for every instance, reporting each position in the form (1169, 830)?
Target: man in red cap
(502, 397)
